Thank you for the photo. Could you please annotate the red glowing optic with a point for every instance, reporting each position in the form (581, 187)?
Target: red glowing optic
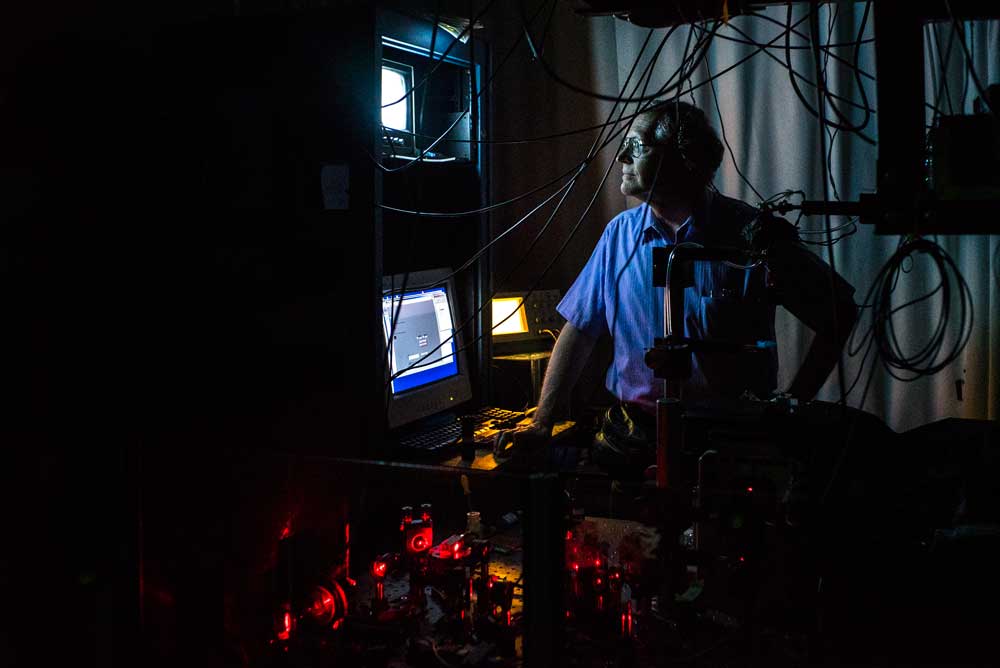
(742, 559)
(336, 624)
(576, 567)
(285, 533)
(457, 547)
(286, 626)
(569, 535)
(379, 569)
(749, 489)
(597, 563)
(508, 618)
(598, 582)
(418, 543)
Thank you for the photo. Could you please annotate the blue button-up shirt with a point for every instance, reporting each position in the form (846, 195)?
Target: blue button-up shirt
(615, 293)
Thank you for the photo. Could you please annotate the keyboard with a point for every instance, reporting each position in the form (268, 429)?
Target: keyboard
(441, 435)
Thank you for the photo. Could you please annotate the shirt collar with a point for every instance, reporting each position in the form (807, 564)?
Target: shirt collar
(652, 228)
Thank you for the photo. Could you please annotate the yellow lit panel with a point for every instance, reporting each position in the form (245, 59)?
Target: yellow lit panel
(516, 323)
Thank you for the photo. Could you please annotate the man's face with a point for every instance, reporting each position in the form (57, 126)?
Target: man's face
(639, 174)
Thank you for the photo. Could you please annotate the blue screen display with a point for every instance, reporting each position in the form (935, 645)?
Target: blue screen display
(425, 376)
(421, 338)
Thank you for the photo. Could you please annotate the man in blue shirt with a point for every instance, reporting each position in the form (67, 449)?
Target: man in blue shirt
(669, 157)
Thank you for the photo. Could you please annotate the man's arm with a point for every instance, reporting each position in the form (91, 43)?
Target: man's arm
(569, 356)
(804, 282)
(823, 353)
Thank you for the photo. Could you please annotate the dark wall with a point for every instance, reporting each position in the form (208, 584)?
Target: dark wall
(173, 285)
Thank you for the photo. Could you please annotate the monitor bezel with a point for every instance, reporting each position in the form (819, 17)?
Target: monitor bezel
(441, 395)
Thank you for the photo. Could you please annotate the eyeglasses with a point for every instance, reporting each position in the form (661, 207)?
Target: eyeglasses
(635, 147)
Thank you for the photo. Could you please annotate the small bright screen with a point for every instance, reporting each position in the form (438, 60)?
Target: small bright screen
(516, 323)
(395, 116)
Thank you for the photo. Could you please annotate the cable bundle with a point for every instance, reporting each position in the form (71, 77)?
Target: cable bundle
(956, 297)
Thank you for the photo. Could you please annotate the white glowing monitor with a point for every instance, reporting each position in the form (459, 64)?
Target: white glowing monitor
(509, 316)
(397, 85)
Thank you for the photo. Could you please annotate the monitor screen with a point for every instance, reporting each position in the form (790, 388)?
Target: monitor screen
(421, 346)
(397, 104)
(423, 351)
(509, 316)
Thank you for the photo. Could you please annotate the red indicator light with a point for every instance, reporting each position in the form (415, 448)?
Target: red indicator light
(336, 624)
(597, 563)
(576, 567)
(508, 618)
(569, 535)
(742, 559)
(285, 533)
(598, 582)
(749, 489)
(379, 569)
(457, 547)
(418, 543)
(286, 626)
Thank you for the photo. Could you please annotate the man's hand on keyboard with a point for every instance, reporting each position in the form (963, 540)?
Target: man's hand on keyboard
(522, 439)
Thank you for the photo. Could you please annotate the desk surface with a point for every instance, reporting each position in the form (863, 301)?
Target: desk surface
(485, 461)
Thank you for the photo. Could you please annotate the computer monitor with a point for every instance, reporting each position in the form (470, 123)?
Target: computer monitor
(509, 316)
(398, 117)
(423, 350)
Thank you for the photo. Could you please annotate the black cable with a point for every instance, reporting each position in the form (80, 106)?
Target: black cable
(820, 87)
(831, 133)
(725, 139)
(932, 357)
(857, 77)
(781, 24)
(792, 72)
(749, 41)
(444, 55)
(548, 24)
(434, 34)
(968, 61)
(583, 91)
(821, 106)
(942, 68)
(827, 48)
